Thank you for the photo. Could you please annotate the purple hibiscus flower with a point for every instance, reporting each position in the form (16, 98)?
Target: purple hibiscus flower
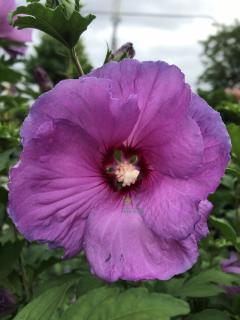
(120, 163)
(19, 37)
(7, 302)
(231, 265)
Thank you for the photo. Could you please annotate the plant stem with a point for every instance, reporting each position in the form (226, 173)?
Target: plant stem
(24, 278)
(76, 62)
(237, 209)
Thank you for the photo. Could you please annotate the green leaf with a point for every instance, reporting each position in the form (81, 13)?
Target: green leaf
(37, 253)
(52, 3)
(207, 284)
(237, 244)
(174, 285)
(9, 75)
(9, 254)
(108, 56)
(200, 290)
(88, 282)
(59, 23)
(5, 158)
(77, 5)
(224, 227)
(56, 281)
(210, 314)
(234, 132)
(40, 258)
(229, 181)
(68, 7)
(46, 304)
(135, 304)
(233, 171)
(85, 305)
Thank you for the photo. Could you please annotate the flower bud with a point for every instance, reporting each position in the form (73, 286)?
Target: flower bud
(43, 79)
(125, 51)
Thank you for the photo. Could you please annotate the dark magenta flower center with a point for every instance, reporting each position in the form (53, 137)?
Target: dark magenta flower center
(124, 168)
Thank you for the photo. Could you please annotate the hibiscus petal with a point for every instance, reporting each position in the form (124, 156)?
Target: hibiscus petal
(171, 140)
(120, 246)
(20, 35)
(173, 149)
(167, 211)
(123, 74)
(55, 184)
(155, 83)
(201, 228)
(88, 103)
(6, 30)
(216, 153)
(7, 6)
(232, 264)
(160, 88)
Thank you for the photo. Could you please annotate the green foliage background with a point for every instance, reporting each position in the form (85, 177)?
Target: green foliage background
(52, 56)
(39, 285)
(221, 53)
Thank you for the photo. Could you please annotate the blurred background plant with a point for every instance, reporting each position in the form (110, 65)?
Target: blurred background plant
(36, 284)
(52, 56)
(220, 57)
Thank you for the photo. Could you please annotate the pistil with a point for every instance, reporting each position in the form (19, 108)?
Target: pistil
(126, 173)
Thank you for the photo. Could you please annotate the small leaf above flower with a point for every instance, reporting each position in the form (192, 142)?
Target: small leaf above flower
(62, 23)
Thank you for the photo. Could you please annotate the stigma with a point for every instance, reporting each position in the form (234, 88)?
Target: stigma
(126, 173)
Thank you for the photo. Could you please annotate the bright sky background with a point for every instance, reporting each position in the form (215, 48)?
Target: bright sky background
(173, 40)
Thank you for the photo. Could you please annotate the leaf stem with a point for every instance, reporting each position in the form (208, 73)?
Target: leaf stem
(76, 61)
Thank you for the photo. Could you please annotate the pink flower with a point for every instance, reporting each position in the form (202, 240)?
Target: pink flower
(7, 302)
(10, 33)
(120, 163)
(234, 92)
(231, 265)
